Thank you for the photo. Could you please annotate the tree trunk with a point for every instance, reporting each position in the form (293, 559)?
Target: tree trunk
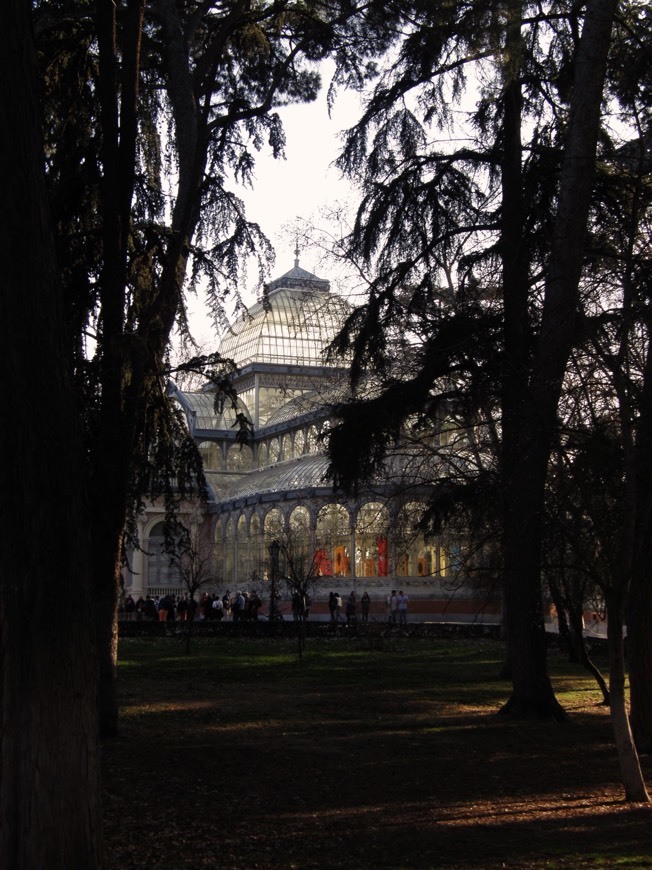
(570, 615)
(106, 580)
(522, 480)
(584, 658)
(639, 658)
(50, 808)
(532, 692)
(530, 405)
(639, 622)
(630, 768)
(565, 634)
(124, 355)
(50, 787)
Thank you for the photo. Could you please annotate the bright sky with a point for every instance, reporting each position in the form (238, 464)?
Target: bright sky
(299, 187)
(305, 182)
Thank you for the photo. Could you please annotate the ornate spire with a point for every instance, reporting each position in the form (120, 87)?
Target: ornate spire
(296, 251)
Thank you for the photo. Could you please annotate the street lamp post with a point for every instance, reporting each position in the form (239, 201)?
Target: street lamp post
(274, 549)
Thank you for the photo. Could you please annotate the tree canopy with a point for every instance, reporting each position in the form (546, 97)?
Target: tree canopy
(148, 112)
(478, 152)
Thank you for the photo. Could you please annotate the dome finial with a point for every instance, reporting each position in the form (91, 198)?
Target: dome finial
(296, 252)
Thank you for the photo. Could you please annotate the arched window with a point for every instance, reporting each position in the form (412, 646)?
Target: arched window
(416, 555)
(453, 434)
(274, 526)
(332, 542)
(211, 455)
(371, 530)
(428, 562)
(299, 442)
(412, 557)
(229, 553)
(263, 454)
(239, 458)
(161, 574)
(312, 439)
(219, 551)
(256, 558)
(242, 552)
(270, 399)
(274, 530)
(274, 451)
(299, 549)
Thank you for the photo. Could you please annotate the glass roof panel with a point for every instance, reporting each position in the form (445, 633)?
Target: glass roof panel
(303, 473)
(201, 406)
(311, 401)
(292, 329)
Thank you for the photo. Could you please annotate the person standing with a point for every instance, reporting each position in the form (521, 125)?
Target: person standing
(332, 604)
(163, 608)
(238, 607)
(217, 608)
(130, 607)
(402, 603)
(351, 609)
(392, 607)
(150, 609)
(254, 605)
(365, 603)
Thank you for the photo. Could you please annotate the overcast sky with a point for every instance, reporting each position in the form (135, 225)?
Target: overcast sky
(305, 182)
(301, 186)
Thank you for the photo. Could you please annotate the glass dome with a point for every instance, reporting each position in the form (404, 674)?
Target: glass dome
(291, 327)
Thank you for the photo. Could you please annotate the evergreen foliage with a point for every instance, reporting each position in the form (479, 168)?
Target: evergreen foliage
(477, 183)
(152, 112)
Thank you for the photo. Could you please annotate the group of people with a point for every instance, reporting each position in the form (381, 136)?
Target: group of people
(351, 609)
(240, 607)
(186, 608)
(301, 605)
(397, 608)
(144, 608)
(245, 606)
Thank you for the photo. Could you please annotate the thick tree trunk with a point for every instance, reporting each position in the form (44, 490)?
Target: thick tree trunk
(532, 693)
(530, 405)
(523, 470)
(639, 658)
(50, 808)
(639, 623)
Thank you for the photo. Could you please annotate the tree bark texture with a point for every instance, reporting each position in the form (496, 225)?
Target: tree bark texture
(50, 808)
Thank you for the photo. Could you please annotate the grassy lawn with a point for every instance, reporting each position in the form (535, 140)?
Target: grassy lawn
(384, 754)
